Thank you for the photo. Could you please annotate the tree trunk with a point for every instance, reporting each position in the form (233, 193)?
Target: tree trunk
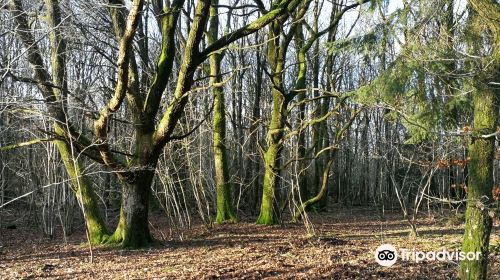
(98, 232)
(267, 214)
(133, 227)
(300, 88)
(84, 192)
(252, 172)
(485, 98)
(135, 207)
(481, 151)
(225, 210)
(275, 55)
(223, 187)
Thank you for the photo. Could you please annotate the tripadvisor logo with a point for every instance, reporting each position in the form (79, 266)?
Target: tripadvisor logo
(387, 255)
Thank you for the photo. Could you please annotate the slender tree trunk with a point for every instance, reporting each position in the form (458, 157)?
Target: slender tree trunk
(300, 87)
(321, 137)
(272, 155)
(82, 188)
(97, 230)
(323, 141)
(317, 135)
(366, 161)
(267, 214)
(225, 210)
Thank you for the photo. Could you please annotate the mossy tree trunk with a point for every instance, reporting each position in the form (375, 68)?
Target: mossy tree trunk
(132, 230)
(479, 190)
(275, 55)
(225, 210)
(133, 226)
(478, 222)
(56, 98)
(268, 212)
(98, 233)
(136, 176)
(83, 189)
(277, 48)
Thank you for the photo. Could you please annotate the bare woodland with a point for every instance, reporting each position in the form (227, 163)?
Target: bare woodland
(248, 139)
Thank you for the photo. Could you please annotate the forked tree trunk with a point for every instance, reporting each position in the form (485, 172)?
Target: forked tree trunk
(133, 227)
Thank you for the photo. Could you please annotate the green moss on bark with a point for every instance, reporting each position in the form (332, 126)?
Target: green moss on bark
(267, 214)
(132, 230)
(275, 55)
(225, 212)
(479, 191)
(83, 190)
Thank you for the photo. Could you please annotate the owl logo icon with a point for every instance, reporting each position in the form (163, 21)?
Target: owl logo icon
(386, 255)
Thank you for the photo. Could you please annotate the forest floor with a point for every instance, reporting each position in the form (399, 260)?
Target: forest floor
(341, 248)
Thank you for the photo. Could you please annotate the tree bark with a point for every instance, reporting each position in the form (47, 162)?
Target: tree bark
(268, 212)
(272, 155)
(225, 210)
(479, 190)
(132, 230)
(98, 233)
(133, 227)
(252, 172)
(300, 88)
(478, 222)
